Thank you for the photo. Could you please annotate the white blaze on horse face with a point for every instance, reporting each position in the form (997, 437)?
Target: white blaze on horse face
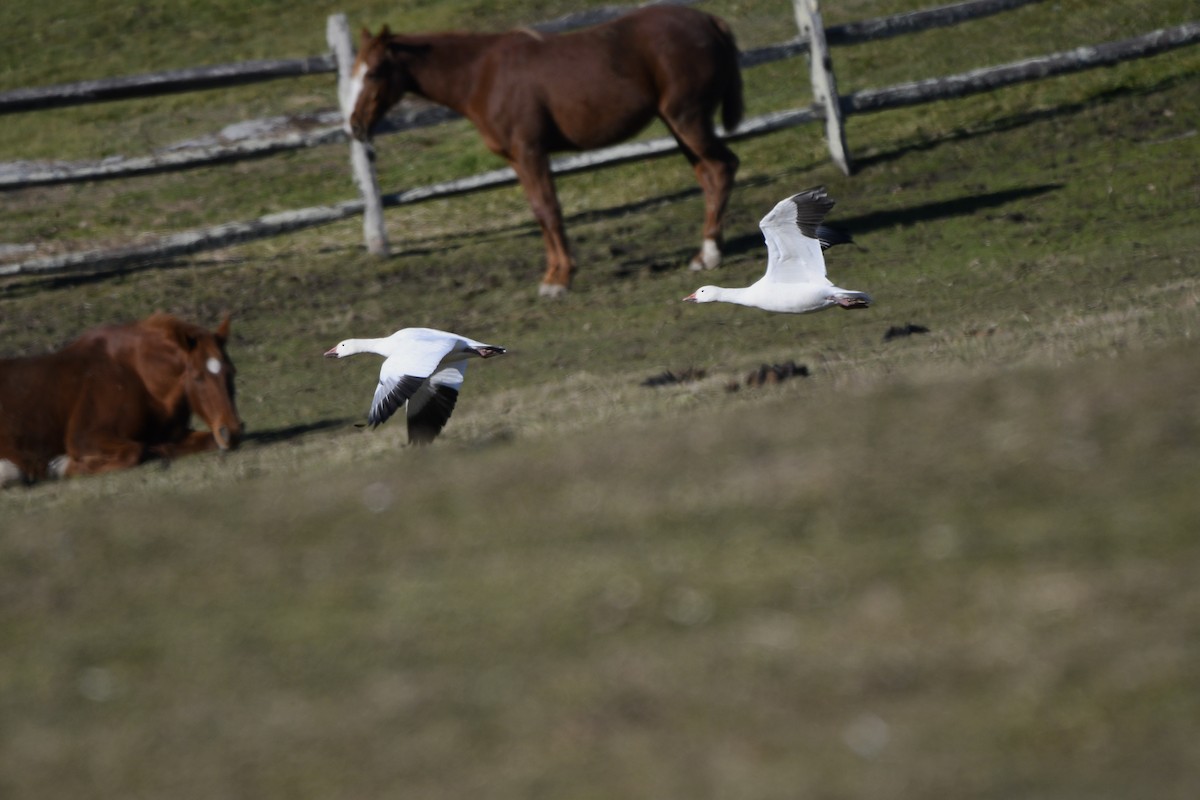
(353, 90)
(213, 365)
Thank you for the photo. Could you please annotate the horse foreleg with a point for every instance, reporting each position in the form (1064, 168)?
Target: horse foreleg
(534, 173)
(193, 442)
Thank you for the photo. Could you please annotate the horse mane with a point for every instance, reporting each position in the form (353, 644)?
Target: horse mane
(185, 334)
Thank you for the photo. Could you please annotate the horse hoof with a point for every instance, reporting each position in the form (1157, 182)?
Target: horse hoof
(553, 291)
(58, 466)
(709, 257)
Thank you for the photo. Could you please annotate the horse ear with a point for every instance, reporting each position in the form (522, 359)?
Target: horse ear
(366, 36)
(222, 331)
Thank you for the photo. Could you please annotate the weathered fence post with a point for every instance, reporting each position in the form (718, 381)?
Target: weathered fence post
(337, 33)
(824, 85)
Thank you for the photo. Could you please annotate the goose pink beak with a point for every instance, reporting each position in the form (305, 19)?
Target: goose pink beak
(691, 298)
(331, 352)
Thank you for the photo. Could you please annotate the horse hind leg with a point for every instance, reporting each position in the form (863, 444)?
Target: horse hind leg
(715, 166)
(715, 172)
(100, 456)
(533, 172)
(10, 473)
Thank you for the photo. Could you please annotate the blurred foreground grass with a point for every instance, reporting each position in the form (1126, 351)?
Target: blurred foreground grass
(981, 585)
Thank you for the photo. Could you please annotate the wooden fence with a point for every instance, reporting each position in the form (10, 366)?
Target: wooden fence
(263, 137)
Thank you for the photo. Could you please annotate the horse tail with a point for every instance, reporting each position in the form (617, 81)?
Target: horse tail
(732, 103)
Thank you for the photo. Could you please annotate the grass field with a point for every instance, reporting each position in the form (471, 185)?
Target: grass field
(959, 563)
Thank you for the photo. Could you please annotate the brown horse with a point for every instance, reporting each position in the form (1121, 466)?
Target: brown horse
(531, 94)
(116, 396)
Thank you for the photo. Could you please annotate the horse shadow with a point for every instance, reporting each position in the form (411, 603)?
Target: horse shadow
(925, 212)
(276, 435)
(750, 243)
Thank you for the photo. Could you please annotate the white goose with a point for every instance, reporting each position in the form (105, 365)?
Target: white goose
(795, 282)
(423, 369)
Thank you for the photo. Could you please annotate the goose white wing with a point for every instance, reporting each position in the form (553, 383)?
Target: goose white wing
(414, 359)
(793, 245)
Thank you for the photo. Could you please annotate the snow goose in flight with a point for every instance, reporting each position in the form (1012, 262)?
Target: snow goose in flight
(423, 369)
(795, 282)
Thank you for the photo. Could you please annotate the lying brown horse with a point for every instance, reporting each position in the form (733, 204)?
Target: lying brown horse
(531, 94)
(116, 396)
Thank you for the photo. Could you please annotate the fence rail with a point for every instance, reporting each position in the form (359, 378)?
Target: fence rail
(1031, 69)
(916, 21)
(326, 127)
(192, 79)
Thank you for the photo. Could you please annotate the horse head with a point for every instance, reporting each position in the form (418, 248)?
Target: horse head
(207, 376)
(379, 79)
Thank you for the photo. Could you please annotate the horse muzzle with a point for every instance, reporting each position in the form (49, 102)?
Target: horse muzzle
(227, 438)
(360, 131)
